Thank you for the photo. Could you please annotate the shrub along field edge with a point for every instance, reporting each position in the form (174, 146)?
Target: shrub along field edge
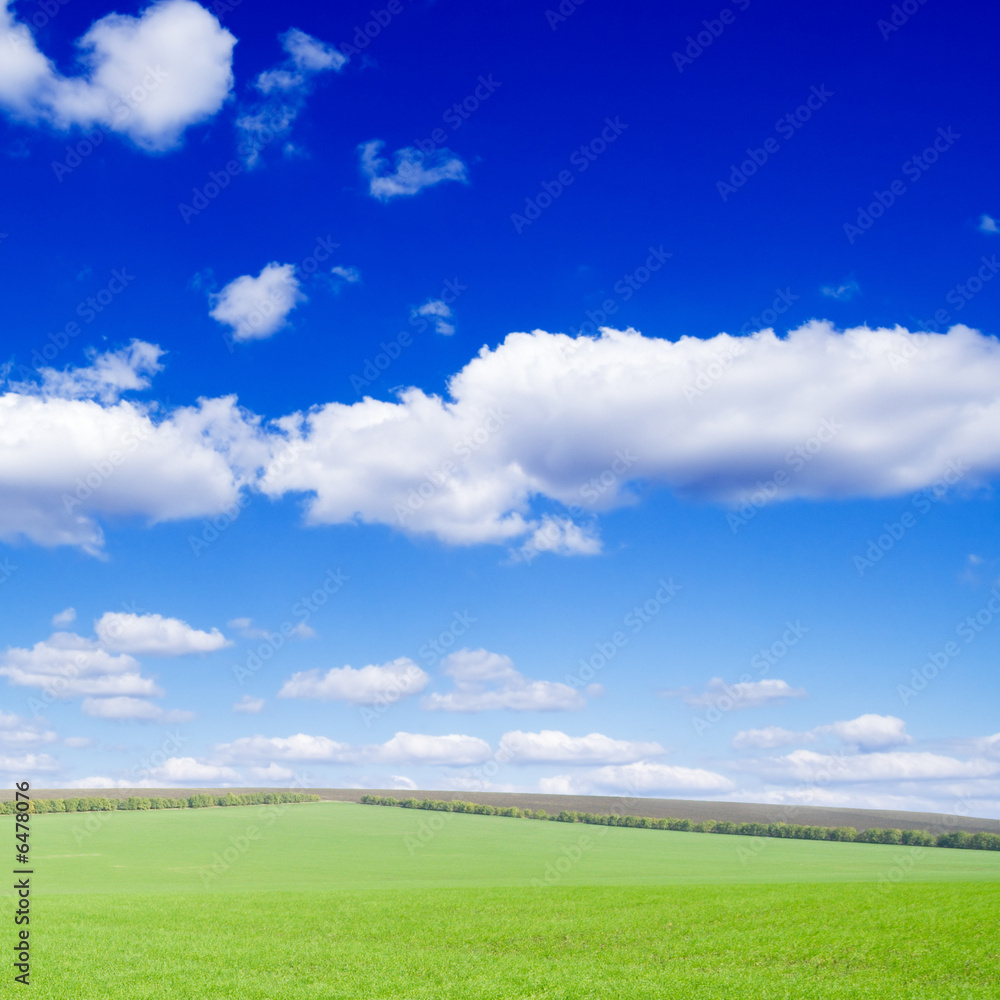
(848, 834)
(134, 802)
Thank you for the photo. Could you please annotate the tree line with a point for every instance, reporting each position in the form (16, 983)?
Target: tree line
(848, 834)
(200, 801)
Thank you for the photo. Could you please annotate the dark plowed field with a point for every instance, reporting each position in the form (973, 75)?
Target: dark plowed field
(696, 811)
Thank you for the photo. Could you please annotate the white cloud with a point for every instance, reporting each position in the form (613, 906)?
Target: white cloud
(299, 747)
(869, 732)
(78, 742)
(20, 733)
(485, 460)
(640, 778)
(29, 763)
(769, 737)
(403, 783)
(66, 617)
(285, 89)
(987, 224)
(126, 708)
(257, 308)
(807, 765)
(177, 770)
(148, 77)
(349, 274)
(109, 375)
(97, 781)
(69, 666)
(561, 536)
(551, 746)
(371, 684)
(273, 772)
(486, 681)
(843, 292)
(154, 635)
(414, 748)
(403, 748)
(306, 56)
(744, 694)
(865, 733)
(413, 170)
(248, 705)
(441, 312)
(473, 467)
(64, 463)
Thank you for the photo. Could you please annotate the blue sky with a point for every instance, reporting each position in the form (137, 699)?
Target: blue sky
(576, 398)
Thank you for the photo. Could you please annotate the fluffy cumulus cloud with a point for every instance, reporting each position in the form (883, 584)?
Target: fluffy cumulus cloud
(248, 705)
(284, 90)
(869, 732)
(404, 748)
(894, 766)
(109, 374)
(28, 763)
(67, 463)
(22, 734)
(866, 733)
(769, 737)
(744, 694)
(413, 170)
(440, 312)
(147, 77)
(486, 681)
(154, 635)
(67, 665)
(255, 308)
(184, 770)
(367, 686)
(553, 747)
(539, 419)
(123, 708)
(640, 778)
(859, 413)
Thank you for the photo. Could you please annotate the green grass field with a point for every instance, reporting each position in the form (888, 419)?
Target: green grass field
(332, 900)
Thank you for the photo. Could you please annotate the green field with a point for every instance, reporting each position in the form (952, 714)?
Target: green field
(332, 900)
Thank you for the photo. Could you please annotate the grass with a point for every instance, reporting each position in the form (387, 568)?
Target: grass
(343, 901)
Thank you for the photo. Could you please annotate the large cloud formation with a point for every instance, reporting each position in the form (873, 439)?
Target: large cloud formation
(541, 419)
(147, 77)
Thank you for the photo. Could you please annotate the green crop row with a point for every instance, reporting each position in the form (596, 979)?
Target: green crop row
(200, 801)
(915, 838)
